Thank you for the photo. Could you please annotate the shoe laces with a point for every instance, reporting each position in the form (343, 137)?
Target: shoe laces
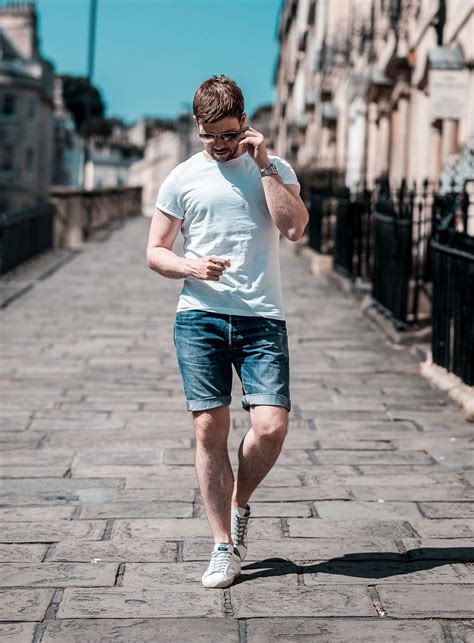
(240, 526)
(219, 561)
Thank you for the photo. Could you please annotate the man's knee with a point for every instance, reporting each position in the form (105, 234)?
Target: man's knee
(272, 426)
(212, 427)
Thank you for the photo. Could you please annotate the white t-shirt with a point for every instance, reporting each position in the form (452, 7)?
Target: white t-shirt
(225, 214)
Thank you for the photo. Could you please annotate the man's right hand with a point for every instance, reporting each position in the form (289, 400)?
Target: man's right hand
(207, 268)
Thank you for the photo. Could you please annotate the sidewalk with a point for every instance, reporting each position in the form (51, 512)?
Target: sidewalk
(361, 532)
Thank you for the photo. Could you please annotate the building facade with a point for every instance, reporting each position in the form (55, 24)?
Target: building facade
(377, 88)
(26, 110)
(166, 145)
(68, 157)
(108, 162)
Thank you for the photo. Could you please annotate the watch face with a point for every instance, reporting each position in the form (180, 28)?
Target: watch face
(271, 169)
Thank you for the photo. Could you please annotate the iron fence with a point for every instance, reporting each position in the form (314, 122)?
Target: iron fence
(354, 238)
(383, 237)
(24, 234)
(416, 249)
(453, 302)
(392, 265)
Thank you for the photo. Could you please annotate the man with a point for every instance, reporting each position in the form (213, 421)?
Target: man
(231, 200)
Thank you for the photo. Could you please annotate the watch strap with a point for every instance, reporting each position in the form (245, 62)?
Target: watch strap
(270, 170)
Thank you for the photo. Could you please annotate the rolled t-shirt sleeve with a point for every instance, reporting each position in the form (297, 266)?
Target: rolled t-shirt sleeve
(285, 170)
(169, 198)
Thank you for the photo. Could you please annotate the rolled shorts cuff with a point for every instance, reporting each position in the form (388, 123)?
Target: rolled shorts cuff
(208, 403)
(265, 399)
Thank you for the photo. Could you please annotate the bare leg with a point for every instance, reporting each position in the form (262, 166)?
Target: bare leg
(259, 449)
(214, 470)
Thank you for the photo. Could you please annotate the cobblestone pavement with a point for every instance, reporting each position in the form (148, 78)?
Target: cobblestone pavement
(362, 531)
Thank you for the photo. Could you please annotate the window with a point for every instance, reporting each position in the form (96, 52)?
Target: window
(30, 157)
(8, 105)
(32, 109)
(7, 156)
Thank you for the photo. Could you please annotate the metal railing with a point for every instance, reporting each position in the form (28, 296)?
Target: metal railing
(24, 234)
(392, 265)
(453, 303)
(354, 238)
(416, 250)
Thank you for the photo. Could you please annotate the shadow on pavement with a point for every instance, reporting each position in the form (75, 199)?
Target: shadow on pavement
(362, 565)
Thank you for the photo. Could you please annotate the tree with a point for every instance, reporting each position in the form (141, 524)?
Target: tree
(77, 92)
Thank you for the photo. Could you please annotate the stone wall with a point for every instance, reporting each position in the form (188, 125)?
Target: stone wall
(80, 213)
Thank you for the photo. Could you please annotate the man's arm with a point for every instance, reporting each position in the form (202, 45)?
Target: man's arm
(285, 206)
(284, 203)
(161, 258)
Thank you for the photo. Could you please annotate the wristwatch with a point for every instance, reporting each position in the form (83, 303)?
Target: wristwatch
(270, 170)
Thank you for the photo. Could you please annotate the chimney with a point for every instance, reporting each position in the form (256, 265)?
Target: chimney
(18, 20)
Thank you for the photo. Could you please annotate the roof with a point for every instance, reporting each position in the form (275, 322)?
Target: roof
(8, 51)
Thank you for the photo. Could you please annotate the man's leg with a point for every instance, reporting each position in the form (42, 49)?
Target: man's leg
(213, 468)
(259, 449)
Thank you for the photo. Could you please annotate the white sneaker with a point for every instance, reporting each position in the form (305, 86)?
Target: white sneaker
(240, 521)
(224, 566)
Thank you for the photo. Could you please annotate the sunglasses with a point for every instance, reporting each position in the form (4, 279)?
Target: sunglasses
(225, 136)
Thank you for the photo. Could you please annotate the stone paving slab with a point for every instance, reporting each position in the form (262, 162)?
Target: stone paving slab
(388, 481)
(33, 471)
(357, 529)
(169, 601)
(22, 553)
(139, 509)
(35, 513)
(19, 532)
(330, 600)
(155, 575)
(275, 509)
(447, 509)
(357, 510)
(357, 457)
(24, 604)
(52, 574)
(292, 494)
(56, 498)
(17, 632)
(166, 529)
(143, 439)
(427, 601)
(444, 528)
(127, 630)
(119, 456)
(115, 550)
(419, 493)
(52, 485)
(263, 630)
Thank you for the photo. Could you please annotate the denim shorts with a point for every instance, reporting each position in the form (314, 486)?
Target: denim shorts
(208, 344)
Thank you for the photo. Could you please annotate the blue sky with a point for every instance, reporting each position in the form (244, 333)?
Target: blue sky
(151, 55)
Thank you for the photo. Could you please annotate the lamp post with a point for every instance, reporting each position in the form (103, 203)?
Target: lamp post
(90, 71)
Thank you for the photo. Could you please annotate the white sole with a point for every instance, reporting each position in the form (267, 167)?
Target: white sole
(223, 584)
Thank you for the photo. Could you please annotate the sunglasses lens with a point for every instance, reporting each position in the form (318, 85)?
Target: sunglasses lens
(207, 138)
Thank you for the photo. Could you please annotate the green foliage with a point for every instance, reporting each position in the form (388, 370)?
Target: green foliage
(84, 101)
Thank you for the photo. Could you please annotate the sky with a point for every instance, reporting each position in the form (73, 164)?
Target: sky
(151, 55)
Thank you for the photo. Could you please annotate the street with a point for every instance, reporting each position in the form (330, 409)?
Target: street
(363, 531)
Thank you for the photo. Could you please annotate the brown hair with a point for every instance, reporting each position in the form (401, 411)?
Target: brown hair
(216, 98)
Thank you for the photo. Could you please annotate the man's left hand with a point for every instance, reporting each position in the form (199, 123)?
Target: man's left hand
(255, 146)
